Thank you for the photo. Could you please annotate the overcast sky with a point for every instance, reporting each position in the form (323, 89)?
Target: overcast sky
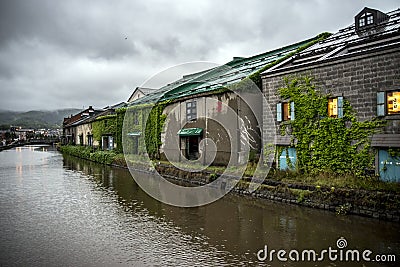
(75, 53)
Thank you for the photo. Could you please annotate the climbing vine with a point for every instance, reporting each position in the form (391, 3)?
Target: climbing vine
(154, 126)
(104, 125)
(326, 144)
(148, 120)
(394, 152)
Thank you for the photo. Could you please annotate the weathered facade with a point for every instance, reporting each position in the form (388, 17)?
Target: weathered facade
(359, 64)
(70, 131)
(89, 128)
(225, 120)
(208, 120)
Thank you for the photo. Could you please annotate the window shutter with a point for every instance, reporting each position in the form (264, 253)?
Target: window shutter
(279, 112)
(380, 104)
(340, 106)
(292, 111)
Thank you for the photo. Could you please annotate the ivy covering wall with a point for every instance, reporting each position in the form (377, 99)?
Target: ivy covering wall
(149, 120)
(104, 125)
(325, 144)
(154, 127)
(120, 114)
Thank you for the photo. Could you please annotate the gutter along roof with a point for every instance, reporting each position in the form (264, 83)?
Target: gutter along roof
(217, 78)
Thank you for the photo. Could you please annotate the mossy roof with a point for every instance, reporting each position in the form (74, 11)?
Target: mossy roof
(218, 77)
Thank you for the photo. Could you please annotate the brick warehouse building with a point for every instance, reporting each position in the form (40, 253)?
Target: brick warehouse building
(359, 64)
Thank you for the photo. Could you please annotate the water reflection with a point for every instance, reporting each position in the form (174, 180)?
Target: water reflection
(58, 210)
(241, 226)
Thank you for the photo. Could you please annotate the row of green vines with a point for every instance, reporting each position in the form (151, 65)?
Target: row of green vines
(325, 144)
(100, 156)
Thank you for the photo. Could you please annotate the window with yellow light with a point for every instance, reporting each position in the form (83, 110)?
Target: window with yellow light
(393, 102)
(333, 107)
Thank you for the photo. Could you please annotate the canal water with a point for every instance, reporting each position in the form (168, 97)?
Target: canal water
(58, 210)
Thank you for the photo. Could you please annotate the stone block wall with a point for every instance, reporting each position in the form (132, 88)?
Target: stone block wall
(356, 79)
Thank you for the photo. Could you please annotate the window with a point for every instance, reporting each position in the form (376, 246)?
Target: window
(361, 22)
(380, 104)
(285, 111)
(107, 142)
(90, 140)
(393, 103)
(135, 118)
(388, 103)
(135, 145)
(191, 110)
(332, 107)
(287, 159)
(370, 19)
(335, 107)
(366, 19)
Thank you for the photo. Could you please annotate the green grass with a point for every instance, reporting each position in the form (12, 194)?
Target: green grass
(328, 180)
(100, 156)
(336, 180)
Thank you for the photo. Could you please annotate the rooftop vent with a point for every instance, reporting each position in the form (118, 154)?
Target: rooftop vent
(237, 58)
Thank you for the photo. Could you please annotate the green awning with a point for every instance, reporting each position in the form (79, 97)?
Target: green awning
(134, 134)
(190, 131)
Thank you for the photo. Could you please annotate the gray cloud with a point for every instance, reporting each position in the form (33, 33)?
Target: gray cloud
(59, 54)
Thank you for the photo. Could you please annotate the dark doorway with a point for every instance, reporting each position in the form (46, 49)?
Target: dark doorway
(135, 145)
(90, 140)
(192, 147)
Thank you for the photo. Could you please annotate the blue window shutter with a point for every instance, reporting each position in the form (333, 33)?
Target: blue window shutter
(292, 111)
(380, 104)
(340, 106)
(279, 112)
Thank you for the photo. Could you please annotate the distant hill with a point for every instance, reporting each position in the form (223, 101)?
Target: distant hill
(35, 119)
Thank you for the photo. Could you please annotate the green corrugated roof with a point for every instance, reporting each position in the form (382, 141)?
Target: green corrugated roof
(218, 77)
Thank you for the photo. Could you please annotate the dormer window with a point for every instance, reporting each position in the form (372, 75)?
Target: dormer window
(369, 18)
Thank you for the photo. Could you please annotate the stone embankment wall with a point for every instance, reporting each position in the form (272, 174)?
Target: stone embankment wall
(379, 205)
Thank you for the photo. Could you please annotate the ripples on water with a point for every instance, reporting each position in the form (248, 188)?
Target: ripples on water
(59, 211)
(57, 216)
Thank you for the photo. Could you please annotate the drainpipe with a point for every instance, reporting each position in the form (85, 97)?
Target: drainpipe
(205, 133)
(180, 126)
(238, 130)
